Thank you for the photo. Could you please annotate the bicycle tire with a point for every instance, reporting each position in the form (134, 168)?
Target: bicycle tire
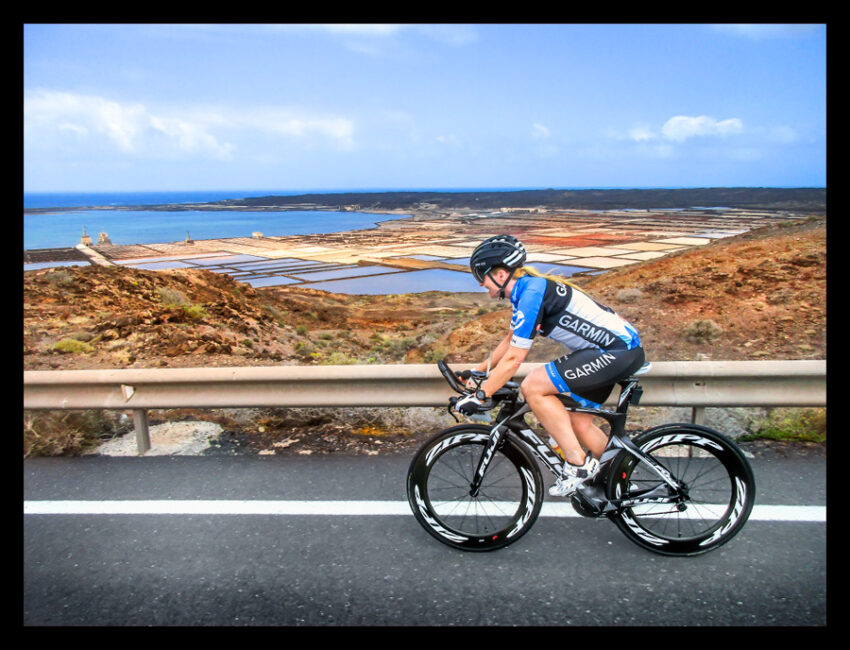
(438, 490)
(720, 484)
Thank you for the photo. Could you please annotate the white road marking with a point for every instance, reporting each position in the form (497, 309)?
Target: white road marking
(325, 508)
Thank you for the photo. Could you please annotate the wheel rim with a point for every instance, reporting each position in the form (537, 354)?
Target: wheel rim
(713, 492)
(499, 502)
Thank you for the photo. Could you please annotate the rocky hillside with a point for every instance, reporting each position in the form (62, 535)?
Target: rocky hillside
(112, 317)
(756, 296)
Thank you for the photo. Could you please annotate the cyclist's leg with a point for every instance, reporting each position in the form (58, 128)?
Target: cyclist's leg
(587, 377)
(589, 435)
(572, 430)
(540, 392)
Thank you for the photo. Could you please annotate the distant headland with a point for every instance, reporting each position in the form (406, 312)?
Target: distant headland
(585, 199)
(764, 198)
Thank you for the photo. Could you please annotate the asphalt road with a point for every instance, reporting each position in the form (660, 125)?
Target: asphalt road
(206, 568)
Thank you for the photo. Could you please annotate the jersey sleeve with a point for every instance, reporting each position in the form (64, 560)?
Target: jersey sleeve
(527, 313)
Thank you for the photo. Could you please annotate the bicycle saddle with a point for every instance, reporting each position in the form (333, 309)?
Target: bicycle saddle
(645, 368)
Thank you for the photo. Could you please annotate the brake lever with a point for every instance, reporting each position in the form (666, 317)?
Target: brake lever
(452, 402)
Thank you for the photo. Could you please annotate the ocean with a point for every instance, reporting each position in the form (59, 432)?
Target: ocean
(78, 199)
(63, 228)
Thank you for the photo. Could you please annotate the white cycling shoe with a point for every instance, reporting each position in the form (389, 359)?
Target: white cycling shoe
(573, 476)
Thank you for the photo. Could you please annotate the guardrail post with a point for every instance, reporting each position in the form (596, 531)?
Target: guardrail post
(143, 438)
(698, 415)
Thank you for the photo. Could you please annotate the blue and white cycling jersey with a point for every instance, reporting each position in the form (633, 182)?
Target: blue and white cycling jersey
(567, 315)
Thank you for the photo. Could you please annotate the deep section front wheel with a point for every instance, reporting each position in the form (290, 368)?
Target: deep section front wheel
(497, 514)
(718, 496)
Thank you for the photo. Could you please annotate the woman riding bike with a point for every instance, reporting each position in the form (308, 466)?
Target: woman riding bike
(604, 348)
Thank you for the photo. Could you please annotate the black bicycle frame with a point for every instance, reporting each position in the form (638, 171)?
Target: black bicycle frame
(511, 422)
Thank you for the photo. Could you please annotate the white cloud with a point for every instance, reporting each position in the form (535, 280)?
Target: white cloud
(362, 29)
(82, 114)
(294, 124)
(543, 146)
(130, 127)
(641, 134)
(73, 128)
(760, 32)
(539, 132)
(683, 127)
(133, 128)
(680, 128)
(455, 35)
(782, 134)
(452, 34)
(190, 137)
(385, 39)
(449, 140)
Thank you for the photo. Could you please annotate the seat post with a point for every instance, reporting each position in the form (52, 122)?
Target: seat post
(630, 390)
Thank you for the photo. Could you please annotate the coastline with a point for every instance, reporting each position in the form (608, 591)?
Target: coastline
(799, 199)
(431, 246)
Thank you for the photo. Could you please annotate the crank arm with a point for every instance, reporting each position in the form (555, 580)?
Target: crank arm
(659, 494)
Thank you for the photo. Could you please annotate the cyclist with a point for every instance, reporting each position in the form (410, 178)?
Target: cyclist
(604, 348)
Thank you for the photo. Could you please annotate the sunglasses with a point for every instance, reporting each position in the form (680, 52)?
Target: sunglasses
(480, 271)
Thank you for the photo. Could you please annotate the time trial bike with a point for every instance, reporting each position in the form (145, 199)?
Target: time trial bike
(674, 489)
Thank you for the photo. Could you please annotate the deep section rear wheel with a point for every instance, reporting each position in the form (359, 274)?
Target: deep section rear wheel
(719, 482)
(498, 514)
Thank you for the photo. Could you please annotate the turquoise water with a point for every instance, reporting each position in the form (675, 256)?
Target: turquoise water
(64, 229)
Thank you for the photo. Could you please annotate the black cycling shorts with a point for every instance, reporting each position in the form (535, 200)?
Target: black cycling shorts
(588, 376)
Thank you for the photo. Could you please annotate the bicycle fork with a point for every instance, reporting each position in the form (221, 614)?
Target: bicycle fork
(497, 433)
(510, 412)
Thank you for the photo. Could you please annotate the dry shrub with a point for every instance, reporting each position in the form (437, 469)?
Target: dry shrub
(702, 331)
(68, 433)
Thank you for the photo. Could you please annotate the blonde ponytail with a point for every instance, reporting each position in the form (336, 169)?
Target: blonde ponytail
(530, 270)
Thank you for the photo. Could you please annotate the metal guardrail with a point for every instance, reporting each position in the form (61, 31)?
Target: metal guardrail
(695, 384)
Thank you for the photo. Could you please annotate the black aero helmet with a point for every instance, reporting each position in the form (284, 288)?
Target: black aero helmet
(501, 250)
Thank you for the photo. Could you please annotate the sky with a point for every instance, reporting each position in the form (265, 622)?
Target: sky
(170, 107)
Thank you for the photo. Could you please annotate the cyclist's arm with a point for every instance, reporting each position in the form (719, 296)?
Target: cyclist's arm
(513, 349)
(506, 368)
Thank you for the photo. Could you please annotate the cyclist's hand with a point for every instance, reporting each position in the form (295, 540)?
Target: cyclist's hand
(469, 404)
(466, 378)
